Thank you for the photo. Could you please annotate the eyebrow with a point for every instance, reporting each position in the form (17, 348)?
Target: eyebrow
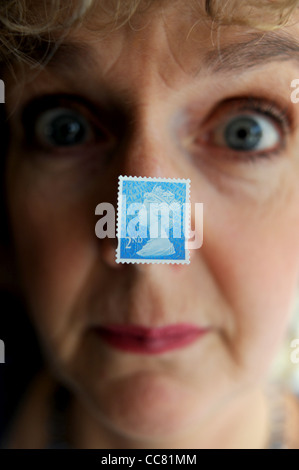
(257, 50)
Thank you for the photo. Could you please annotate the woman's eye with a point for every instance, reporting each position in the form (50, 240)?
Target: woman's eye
(64, 124)
(62, 127)
(247, 133)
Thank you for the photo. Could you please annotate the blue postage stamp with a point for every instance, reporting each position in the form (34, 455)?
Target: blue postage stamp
(153, 220)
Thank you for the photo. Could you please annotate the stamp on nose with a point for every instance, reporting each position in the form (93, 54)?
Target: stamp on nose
(153, 220)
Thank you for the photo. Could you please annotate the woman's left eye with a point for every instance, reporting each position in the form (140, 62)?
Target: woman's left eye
(247, 133)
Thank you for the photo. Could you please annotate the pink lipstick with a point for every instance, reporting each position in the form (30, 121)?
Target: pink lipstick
(143, 340)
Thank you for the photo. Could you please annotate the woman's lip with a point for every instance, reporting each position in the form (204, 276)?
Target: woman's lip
(143, 340)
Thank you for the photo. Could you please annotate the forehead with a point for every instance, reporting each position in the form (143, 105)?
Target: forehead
(168, 43)
(174, 36)
(166, 37)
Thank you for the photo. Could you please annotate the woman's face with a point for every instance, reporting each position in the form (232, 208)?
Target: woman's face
(160, 98)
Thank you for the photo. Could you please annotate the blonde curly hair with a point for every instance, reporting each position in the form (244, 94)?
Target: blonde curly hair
(25, 24)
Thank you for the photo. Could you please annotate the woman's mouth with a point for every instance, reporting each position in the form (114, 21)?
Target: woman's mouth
(143, 340)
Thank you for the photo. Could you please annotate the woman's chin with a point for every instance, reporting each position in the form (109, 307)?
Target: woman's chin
(144, 407)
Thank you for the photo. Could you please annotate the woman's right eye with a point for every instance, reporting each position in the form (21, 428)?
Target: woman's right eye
(62, 127)
(65, 127)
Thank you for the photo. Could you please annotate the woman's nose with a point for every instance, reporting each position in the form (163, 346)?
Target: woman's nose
(148, 150)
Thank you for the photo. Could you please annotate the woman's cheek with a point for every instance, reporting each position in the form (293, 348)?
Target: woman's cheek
(54, 245)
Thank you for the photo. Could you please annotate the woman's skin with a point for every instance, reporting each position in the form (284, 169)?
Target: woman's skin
(157, 96)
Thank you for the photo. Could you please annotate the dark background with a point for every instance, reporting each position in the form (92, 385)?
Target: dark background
(22, 357)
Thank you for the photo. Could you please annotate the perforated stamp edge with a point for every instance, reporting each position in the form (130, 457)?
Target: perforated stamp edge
(119, 259)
